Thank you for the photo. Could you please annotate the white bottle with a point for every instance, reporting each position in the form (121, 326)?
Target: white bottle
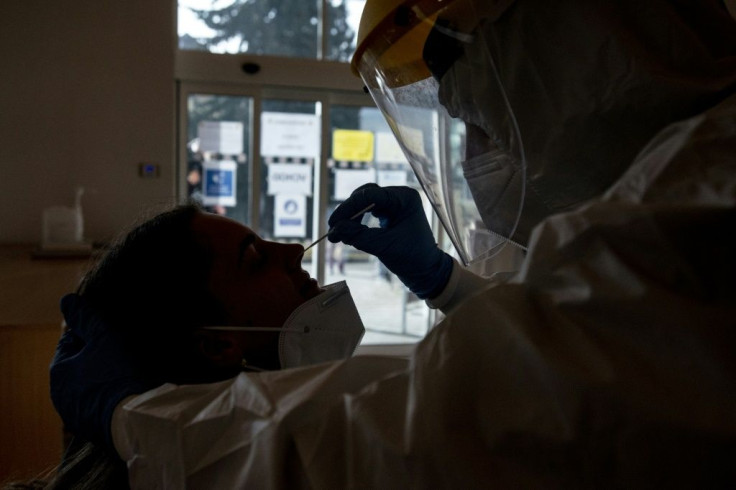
(63, 227)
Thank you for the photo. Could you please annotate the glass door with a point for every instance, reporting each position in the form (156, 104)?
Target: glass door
(363, 150)
(290, 154)
(313, 149)
(216, 145)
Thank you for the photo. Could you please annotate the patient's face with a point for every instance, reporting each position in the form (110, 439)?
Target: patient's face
(257, 282)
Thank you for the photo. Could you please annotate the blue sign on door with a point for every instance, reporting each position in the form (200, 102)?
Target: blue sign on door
(219, 183)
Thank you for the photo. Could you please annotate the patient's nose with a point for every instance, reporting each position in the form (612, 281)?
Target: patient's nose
(293, 254)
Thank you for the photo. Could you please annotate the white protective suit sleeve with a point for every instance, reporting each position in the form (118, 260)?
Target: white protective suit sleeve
(606, 362)
(461, 285)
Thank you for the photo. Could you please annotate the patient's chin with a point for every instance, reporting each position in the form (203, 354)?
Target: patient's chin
(310, 289)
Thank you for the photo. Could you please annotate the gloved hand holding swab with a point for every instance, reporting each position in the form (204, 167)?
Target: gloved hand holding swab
(359, 213)
(404, 242)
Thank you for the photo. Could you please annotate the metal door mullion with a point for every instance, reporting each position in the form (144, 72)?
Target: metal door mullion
(319, 225)
(256, 167)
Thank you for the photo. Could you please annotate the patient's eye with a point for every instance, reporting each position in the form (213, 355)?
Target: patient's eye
(258, 259)
(254, 256)
(246, 251)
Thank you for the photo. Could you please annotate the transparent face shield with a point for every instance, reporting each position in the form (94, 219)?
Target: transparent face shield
(439, 89)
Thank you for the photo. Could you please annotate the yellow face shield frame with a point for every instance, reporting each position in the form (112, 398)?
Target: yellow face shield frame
(393, 35)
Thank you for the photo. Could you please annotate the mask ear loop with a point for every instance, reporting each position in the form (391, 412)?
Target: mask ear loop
(247, 367)
(244, 365)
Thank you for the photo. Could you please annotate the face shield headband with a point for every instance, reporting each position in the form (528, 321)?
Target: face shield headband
(455, 125)
(324, 328)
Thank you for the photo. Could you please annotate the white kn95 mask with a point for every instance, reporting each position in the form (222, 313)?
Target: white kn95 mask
(324, 328)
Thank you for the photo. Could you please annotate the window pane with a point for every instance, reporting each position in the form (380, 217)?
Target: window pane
(364, 150)
(290, 148)
(267, 27)
(218, 145)
(343, 17)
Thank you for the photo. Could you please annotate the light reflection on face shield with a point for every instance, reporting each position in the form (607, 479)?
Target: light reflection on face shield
(492, 164)
(469, 90)
(456, 129)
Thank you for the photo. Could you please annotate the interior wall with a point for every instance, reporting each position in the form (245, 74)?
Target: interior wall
(87, 93)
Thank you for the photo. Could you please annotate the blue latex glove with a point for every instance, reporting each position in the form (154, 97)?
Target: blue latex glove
(91, 373)
(404, 242)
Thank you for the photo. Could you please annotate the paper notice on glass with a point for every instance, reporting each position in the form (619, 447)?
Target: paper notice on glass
(350, 145)
(388, 149)
(290, 135)
(290, 216)
(391, 177)
(347, 180)
(224, 137)
(289, 178)
(219, 181)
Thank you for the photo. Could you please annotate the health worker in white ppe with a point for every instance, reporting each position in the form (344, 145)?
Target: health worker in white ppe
(586, 150)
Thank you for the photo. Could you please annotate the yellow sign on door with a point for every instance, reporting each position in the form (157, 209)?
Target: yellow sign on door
(351, 145)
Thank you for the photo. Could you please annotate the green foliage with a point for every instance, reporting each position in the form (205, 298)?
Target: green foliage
(276, 27)
(270, 27)
(289, 28)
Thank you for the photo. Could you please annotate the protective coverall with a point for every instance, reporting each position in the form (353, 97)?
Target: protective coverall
(607, 361)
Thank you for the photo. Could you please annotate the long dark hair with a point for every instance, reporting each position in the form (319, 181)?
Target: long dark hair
(151, 284)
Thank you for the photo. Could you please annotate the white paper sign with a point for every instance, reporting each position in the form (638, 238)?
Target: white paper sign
(391, 177)
(219, 182)
(288, 178)
(290, 216)
(347, 180)
(388, 149)
(224, 137)
(290, 135)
